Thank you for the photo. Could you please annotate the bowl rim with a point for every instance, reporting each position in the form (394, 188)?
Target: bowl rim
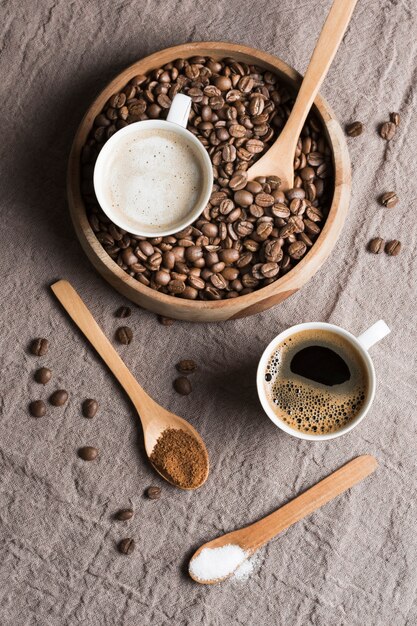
(304, 269)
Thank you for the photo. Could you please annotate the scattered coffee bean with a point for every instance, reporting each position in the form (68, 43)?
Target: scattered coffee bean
(153, 493)
(376, 245)
(124, 335)
(182, 385)
(37, 408)
(43, 375)
(165, 321)
(123, 311)
(354, 129)
(124, 514)
(39, 347)
(389, 199)
(127, 546)
(395, 118)
(88, 453)
(89, 408)
(393, 248)
(186, 366)
(59, 397)
(387, 130)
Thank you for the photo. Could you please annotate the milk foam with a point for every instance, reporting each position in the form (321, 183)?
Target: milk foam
(153, 179)
(309, 406)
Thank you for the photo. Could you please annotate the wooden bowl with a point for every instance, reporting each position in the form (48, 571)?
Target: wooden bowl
(262, 299)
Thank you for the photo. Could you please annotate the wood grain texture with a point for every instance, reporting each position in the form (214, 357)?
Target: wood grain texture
(154, 418)
(202, 311)
(279, 159)
(252, 537)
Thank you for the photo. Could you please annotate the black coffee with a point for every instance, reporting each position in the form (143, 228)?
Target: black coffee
(321, 365)
(316, 381)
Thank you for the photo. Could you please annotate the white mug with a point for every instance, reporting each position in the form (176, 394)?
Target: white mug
(176, 122)
(366, 340)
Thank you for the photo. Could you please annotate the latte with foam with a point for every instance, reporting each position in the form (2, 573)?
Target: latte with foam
(153, 179)
(316, 382)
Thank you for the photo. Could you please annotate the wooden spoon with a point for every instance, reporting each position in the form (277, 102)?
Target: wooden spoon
(154, 418)
(252, 537)
(279, 159)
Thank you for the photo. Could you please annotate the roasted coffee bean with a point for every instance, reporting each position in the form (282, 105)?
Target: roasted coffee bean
(153, 493)
(176, 286)
(311, 227)
(395, 118)
(354, 129)
(238, 181)
(165, 321)
(393, 248)
(189, 293)
(127, 546)
(297, 249)
(37, 408)
(314, 214)
(124, 515)
(123, 311)
(186, 366)
(264, 230)
(43, 375)
(182, 385)
(88, 453)
(376, 245)
(89, 408)
(387, 130)
(243, 197)
(223, 83)
(269, 270)
(229, 255)
(218, 281)
(237, 130)
(264, 200)
(59, 397)
(389, 199)
(39, 347)
(124, 335)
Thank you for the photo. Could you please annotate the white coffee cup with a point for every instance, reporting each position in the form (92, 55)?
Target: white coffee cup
(176, 122)
(366, 340)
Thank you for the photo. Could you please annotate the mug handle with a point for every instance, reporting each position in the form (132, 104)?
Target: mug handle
(180, 110)
(372, 335)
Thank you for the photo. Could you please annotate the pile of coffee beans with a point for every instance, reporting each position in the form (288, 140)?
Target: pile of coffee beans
(250, 233)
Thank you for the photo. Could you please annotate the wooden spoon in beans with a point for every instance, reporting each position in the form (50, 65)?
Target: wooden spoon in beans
(279, 159)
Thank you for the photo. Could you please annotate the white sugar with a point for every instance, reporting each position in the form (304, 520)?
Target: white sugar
(246, 568)
(216, 563)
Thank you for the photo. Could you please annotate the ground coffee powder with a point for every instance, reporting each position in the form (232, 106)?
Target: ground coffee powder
(180, 457)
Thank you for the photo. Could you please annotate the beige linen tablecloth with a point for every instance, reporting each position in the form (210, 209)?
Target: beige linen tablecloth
(354, 562)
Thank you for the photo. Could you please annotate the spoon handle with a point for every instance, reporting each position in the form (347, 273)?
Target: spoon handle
(259, 533)
(82, 317)
(323, 55)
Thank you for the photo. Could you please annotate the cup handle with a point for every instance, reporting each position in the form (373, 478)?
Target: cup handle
(372, 335)
(180, 110)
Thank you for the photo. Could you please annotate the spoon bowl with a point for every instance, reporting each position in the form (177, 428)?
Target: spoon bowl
(154, 418)
(154, 428)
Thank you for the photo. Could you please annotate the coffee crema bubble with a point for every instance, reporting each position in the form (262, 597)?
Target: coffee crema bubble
(316, 382)
(154, 179)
